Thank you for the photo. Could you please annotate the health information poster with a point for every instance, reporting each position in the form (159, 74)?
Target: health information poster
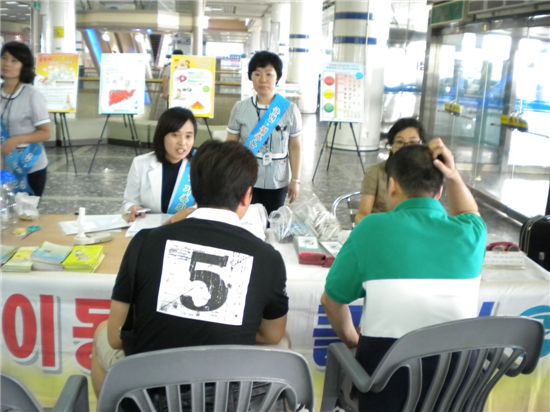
(57, 80)
(342, 86)
(192, 82)
(122, 83)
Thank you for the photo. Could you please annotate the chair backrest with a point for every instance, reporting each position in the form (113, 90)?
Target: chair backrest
(16, 397)
(226, 377)
(472, 355)
(352, 202)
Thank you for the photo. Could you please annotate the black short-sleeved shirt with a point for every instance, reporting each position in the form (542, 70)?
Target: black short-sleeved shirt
(266, 296)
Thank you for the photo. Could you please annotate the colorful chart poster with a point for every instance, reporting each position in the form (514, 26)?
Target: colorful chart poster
(192, 84)
(342, 89)
(57, 80)
(122, 83)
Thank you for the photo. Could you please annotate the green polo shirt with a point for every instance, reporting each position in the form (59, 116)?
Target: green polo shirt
(417, 240)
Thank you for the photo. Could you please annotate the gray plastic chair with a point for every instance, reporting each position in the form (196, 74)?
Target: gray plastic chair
(17, 398)
(235, 371)
(352, 202)
(487, 348)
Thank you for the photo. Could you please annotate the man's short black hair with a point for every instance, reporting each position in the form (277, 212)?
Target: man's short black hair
(412, 167)
(171, 121)
(22, 53)
(405, 123)
(264, 59)
(221, 173)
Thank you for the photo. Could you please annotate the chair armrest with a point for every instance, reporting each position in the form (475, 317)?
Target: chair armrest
(360, 378)
(74, 396)
(341, 363)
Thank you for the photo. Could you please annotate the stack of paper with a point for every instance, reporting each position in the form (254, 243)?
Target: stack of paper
(94, 223)
(6, 252)
(50, 256)
(84, 258)
(20, 261)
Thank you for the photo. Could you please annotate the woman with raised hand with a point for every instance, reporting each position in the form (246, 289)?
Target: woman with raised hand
(405, 131)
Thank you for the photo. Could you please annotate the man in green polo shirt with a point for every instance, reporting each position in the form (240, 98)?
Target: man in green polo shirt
(415, 266)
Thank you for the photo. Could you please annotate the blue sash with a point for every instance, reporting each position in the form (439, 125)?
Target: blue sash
(269, 121)
(182, 198)
(21, 161)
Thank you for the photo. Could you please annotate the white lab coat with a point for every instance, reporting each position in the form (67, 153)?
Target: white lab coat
(144, 184)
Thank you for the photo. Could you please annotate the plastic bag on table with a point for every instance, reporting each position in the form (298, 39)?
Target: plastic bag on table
(310, 210)
(285, 225)
(26, 206)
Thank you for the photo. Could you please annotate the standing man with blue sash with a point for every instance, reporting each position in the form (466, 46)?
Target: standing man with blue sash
(24, 120)
(270, 126)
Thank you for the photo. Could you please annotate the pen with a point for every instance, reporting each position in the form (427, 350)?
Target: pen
(142, 211)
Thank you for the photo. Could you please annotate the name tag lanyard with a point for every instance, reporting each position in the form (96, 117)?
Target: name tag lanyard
(6, 111)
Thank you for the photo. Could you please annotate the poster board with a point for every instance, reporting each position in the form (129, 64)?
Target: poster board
(192, 84)
(342, 92)
(247, 89)
(122, 83)
(57, 80)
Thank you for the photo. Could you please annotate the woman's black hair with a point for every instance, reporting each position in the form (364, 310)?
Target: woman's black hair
(264, 59)
(171, 121)
(405, 123)
(22, 53)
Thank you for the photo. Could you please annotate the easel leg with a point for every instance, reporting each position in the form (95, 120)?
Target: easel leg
(98, 143)
(332, 146)
(133, 132)
(59, 138)
(357, 147)
(208, 128)
(321, 152)
(67, 138)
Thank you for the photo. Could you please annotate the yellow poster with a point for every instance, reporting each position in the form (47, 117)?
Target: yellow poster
(57, 80)
(192, 84)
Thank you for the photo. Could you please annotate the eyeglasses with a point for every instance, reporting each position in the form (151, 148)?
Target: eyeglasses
(400, 143)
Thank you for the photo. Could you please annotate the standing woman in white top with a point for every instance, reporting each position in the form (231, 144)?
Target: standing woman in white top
(271, 127)
(160, 180)
(24, 118)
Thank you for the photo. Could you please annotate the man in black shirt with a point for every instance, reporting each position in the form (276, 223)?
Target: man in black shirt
(200, 281)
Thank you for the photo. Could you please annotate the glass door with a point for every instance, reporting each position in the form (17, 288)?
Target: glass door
(487, 94)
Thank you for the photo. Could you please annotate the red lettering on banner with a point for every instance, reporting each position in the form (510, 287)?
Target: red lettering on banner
(47, 329)
(9, 326)
(85, 309)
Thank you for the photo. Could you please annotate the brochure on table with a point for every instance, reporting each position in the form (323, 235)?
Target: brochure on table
(192, 84)
(94, 223)
(122, 83)
(57, 80)
(342, 92)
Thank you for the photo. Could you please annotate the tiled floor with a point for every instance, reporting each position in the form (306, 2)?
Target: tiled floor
(101, 191)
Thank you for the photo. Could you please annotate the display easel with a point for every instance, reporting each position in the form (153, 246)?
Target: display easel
(129, 123)
(335, 125)
(208, 128)
(62, 134)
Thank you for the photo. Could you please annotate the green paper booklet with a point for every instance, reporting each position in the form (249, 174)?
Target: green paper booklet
(20, 261)
(84, 258)
(6, 252)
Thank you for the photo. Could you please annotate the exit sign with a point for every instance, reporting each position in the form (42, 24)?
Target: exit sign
(452, 11)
